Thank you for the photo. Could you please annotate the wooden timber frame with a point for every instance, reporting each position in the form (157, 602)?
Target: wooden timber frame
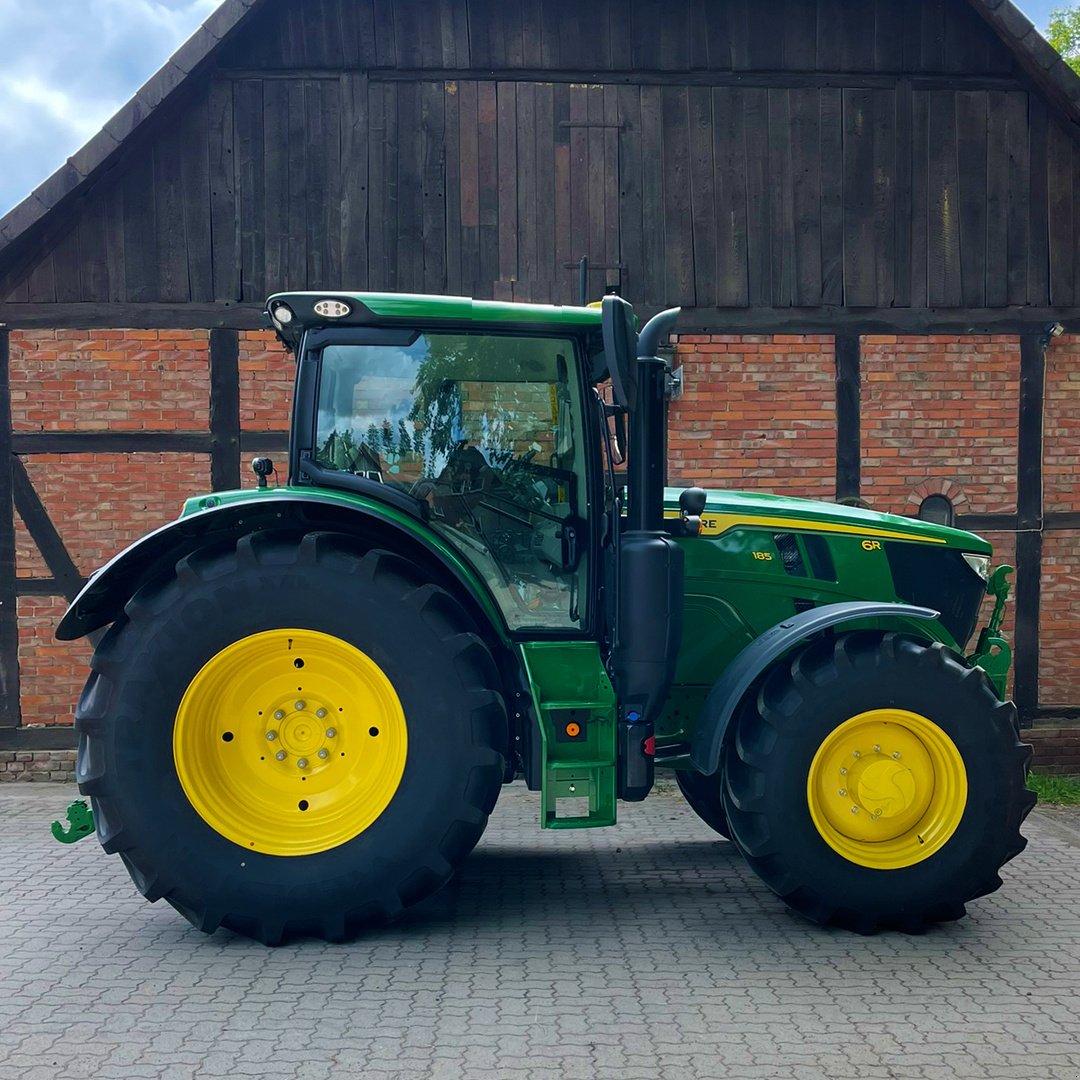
(878, 166)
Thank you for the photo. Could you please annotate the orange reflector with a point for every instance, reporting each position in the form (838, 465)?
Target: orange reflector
(573, 730)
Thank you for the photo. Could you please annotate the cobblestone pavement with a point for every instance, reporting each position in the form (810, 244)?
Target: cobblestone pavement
(644, 951)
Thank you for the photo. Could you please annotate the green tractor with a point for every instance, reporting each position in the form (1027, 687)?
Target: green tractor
(310, 692)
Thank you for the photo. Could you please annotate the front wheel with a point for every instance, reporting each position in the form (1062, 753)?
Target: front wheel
(291, 737)
(705, 796)
(876, 782)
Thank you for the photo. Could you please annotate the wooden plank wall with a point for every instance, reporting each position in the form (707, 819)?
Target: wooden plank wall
(877, 155)
(920, 36)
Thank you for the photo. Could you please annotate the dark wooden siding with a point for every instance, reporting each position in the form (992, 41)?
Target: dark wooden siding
(922, 36)
(783, 154)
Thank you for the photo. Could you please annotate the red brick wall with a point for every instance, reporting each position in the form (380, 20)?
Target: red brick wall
(96, 380)
(51, 673)
(1061, 426)
(757, 413)
(940, 408)
(100, 503)
(1059, 658)
(267, 373)
(1057, 750)
(1059, 629)
(120, 380)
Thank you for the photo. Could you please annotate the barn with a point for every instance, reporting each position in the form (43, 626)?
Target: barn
(869, 211)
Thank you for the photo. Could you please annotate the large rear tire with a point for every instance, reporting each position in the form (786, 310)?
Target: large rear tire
(291, 737)
(876, 782)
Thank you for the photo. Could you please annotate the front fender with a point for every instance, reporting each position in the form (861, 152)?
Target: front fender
(740, 674)
(102, 598)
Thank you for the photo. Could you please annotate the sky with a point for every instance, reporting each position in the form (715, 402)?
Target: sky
(72, 63)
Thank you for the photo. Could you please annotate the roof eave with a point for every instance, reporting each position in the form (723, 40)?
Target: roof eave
(78, 169)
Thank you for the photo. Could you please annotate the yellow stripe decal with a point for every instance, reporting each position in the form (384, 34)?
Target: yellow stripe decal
(717, 524)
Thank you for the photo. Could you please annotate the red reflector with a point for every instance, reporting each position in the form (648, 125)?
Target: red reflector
(648, 746)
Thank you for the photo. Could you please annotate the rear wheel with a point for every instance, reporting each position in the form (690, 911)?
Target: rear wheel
(291, 737)
(877, 782)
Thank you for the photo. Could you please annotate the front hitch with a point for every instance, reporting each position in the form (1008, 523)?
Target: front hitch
(992, 652)
(81, 821)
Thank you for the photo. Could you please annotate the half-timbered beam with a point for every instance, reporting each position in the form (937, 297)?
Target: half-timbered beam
(9, 618)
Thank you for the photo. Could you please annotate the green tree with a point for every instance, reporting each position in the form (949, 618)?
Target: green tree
(1064, 34)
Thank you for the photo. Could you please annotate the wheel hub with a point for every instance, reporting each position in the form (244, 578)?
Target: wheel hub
(887, 788)
(290, 742)
(302, 735)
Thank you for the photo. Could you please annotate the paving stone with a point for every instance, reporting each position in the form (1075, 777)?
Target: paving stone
(635, 953)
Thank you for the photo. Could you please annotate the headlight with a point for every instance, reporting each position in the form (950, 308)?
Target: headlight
(980, 564)
(282, 315)
(332, 309)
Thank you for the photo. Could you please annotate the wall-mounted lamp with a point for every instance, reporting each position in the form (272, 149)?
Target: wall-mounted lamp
(1051, 331)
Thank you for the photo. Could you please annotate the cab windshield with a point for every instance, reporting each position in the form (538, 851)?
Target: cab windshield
(484, 429)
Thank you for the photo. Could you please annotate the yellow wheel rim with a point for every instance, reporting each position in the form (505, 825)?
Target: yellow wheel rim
(887, 789)
(290, 742)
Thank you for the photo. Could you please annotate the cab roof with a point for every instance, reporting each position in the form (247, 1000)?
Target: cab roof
(415, 309)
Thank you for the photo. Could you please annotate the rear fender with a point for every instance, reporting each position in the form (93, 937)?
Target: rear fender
(742, 672)
(103, 597)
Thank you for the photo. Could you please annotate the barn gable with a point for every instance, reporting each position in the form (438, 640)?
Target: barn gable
(816, 155)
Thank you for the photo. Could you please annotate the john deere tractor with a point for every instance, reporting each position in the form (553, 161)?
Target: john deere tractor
(470, 570)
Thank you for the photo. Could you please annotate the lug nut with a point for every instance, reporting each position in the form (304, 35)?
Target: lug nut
(856, 753)
(271, 735)
(877, 813)
(301, 763)
(320, 713)
(280, 755)
(842, 792)
(854, 809)
(331, 732)
(896, 755)
(324, 753)
(300, 706)
(279, 714)
(843, 772)
(877, 749)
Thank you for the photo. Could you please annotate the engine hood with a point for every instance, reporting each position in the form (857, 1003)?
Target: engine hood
(725, 510)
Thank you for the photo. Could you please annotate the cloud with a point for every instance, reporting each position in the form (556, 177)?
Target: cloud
(77, 62)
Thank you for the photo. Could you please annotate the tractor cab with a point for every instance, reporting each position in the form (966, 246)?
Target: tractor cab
(485, 429)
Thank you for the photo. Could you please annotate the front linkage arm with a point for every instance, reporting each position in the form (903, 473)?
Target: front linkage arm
(80, 818)
(992, 652)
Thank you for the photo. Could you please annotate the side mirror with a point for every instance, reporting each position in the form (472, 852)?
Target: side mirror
(620, 349)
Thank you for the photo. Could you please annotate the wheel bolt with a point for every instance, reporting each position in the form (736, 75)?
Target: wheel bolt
(280, 755)
(271, 735)
(843, 772)
(320, 713)
(301, 763)
(842, 792)
(877, 749)
(279, 714)
(324, 753)
(896, 755)
(300, 706)
(856, 753)
(854, 809)
(331, 732)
